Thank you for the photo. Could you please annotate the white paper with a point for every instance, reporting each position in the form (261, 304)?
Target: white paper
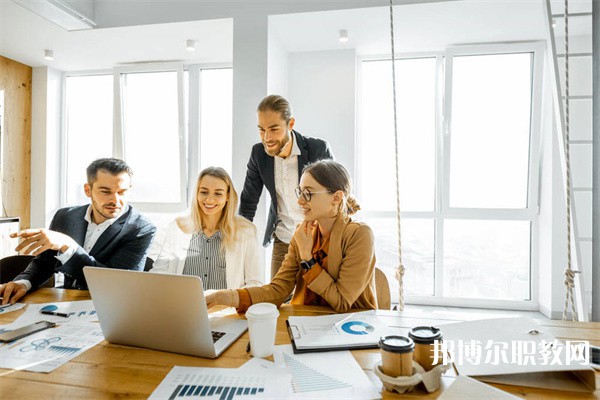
(506, 346)
(78, 311)
(220, 383)
(11, 308)
(337, 330)
(255, 364)
(467, 388)
(49, 349)
(334, 374)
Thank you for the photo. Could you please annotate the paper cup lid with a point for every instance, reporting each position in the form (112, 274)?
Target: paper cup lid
(396, 344)
(425, 334)
(262, 311)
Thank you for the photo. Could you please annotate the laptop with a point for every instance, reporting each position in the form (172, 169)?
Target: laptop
(160, 312)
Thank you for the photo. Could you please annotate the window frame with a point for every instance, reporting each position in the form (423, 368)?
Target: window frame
(442, 211)
(119, 138)
(189, 134)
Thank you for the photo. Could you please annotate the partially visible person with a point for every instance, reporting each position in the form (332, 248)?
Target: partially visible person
(276, 163)
(331, 259)
(212, 242)
(106, 233)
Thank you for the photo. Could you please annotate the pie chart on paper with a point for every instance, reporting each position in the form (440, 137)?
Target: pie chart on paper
(357, 328)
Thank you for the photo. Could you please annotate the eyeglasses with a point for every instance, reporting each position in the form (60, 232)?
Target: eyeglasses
(307, 194)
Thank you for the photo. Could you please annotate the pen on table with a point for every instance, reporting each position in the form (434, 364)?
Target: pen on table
(248, 347)
(58, 314)
(6, 305)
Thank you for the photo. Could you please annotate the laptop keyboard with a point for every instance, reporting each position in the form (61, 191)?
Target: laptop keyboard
(217, 335)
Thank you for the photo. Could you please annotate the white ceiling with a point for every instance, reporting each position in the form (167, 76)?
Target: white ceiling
(24, 36)
(418, 27)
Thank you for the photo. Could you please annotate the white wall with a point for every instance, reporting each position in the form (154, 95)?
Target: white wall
(249, 86)
(46, 99)
(322, 91)
(277, 79)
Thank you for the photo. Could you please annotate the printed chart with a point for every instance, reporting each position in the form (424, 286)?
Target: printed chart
(222, 384)
(46, 350)
(338, 331)
(77, 311)
(325, 375)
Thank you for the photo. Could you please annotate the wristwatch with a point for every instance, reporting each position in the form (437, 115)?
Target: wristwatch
(306, 265)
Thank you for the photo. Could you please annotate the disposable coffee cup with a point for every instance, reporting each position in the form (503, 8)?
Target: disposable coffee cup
(262, 324)
(396, 355)
(424, 338)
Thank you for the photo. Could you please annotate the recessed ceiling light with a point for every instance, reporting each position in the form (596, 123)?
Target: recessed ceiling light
(343, 37)
(49, 55)
(190, 45)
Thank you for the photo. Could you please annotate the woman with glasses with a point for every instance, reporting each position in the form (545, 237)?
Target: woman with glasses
(212, 242)
(331, 258)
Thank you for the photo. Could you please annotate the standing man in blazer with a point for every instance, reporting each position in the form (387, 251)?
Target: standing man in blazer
(106, 233)
(276, 163)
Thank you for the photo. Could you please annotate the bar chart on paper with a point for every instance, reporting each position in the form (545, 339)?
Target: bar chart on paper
(216, 389)
(222, 384)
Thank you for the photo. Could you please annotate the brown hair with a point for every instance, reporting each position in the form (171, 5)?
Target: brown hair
(277, 104)
(333, 176)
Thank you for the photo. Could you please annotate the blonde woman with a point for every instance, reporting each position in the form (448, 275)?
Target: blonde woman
(331, 258)
(212, 242)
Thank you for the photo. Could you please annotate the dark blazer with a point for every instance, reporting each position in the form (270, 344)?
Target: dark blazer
(261, 172)
(123, 245)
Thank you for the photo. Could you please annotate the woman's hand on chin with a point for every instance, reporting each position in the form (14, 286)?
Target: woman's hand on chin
(305, 238)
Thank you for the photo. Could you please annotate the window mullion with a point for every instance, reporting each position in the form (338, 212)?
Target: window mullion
(194, 111)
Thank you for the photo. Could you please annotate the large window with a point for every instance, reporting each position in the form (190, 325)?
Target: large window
(89, 127)
(140, 115)
(467, 171)
(151, 135)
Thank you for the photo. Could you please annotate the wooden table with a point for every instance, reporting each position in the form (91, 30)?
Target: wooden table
(114, 371)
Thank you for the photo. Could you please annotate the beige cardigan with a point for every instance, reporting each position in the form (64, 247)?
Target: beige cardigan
(350, 282)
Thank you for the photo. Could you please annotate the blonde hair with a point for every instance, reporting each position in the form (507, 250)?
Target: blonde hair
(228, 224)
(333, 176)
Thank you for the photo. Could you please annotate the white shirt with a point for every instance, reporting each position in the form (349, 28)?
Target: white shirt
(286, 181)
(94, 231)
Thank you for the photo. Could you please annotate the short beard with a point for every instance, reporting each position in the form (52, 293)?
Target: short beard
(280, 149)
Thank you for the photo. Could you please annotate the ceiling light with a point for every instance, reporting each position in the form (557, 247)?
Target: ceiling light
(49, 55)
(190, 45)
(343, 38)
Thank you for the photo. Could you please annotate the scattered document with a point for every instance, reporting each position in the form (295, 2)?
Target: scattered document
(336, 332)
(49, 349)
(223, 383)
(13, 307)
(467, 388)
(255, 364)
(77, 311)
(325, 375)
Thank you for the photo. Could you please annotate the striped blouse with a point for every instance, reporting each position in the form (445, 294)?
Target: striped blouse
(206, 260)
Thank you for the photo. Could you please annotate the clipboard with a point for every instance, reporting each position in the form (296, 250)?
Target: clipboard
(353, 331)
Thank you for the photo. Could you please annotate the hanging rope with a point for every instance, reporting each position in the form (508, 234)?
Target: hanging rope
(569, 272)
(400, 269)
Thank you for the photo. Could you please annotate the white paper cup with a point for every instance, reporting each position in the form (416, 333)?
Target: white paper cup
(262, 324)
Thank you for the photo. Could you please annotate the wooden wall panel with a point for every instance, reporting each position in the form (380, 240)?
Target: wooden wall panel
(15, 166)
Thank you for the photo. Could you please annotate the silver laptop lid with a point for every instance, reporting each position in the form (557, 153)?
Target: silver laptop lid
(156, 311)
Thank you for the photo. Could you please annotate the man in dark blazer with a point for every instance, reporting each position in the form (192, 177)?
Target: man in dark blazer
(276, 163)
(106, 233)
